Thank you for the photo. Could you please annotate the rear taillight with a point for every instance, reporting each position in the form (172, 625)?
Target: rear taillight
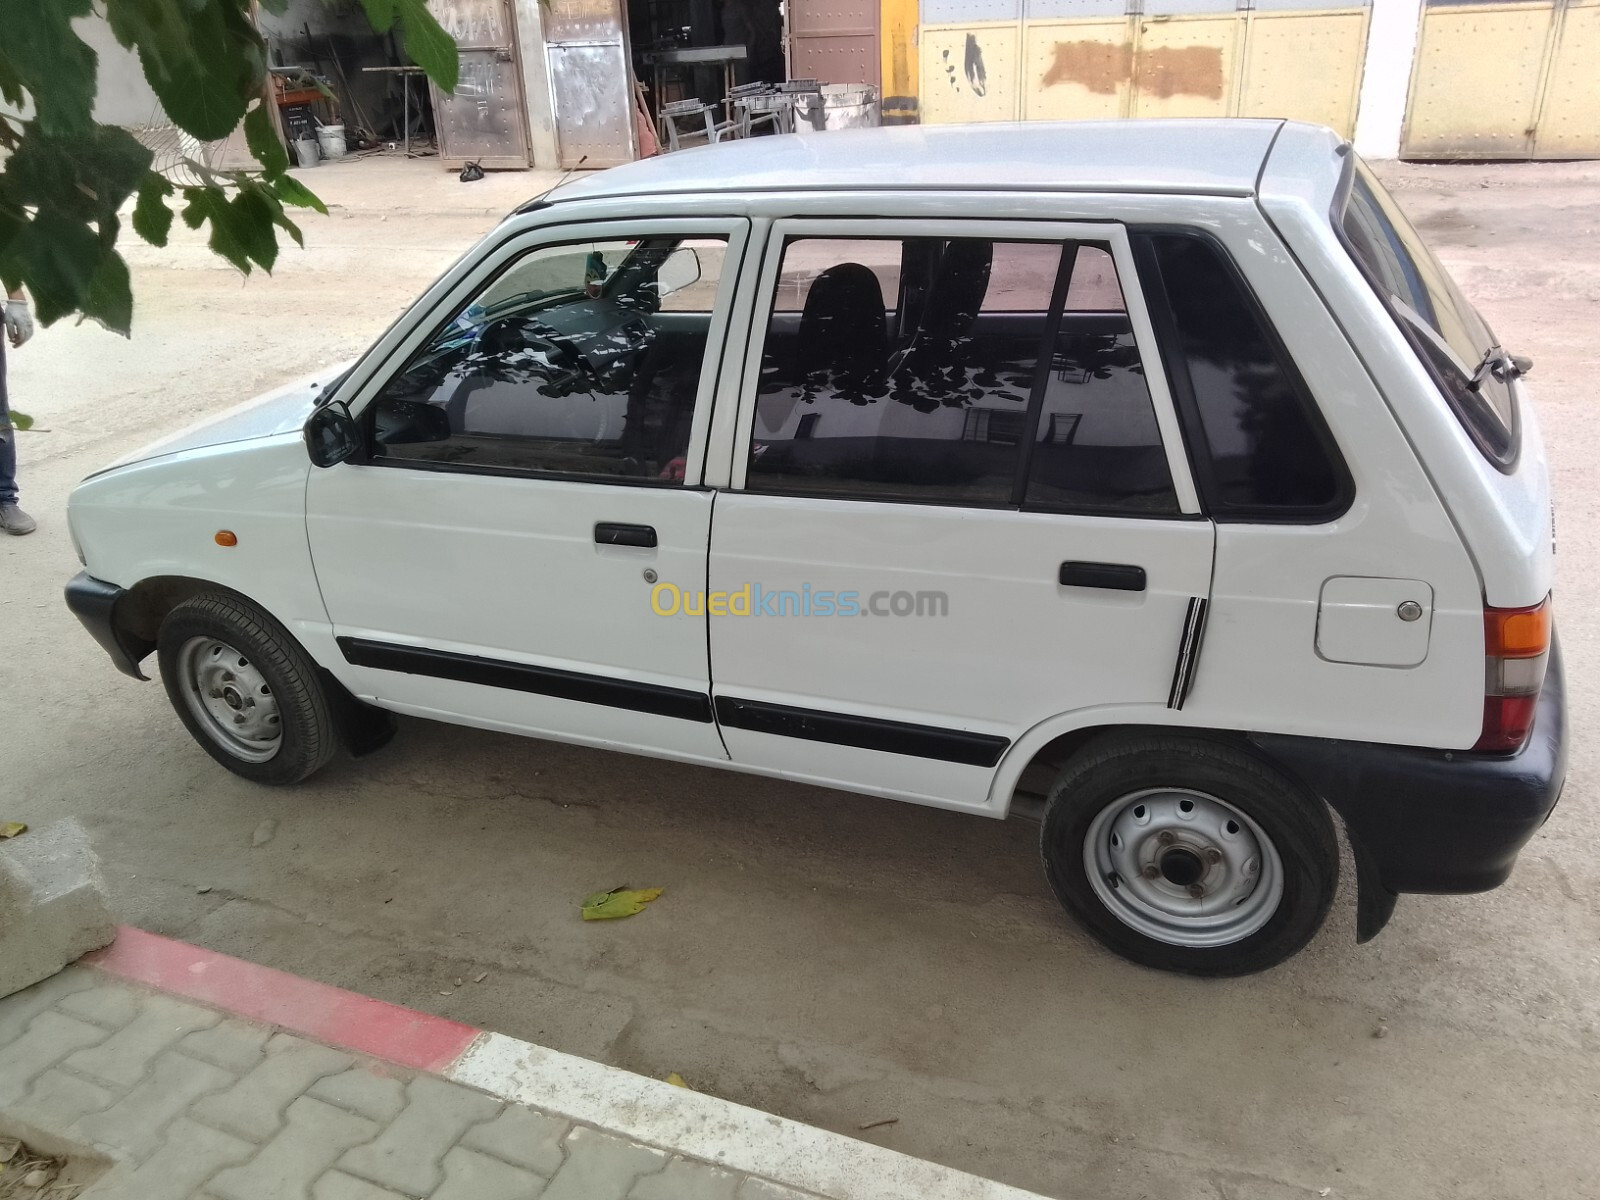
(1517, 648)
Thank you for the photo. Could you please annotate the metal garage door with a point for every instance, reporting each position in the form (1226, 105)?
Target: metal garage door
(1000, 60)
(835, 41)
(1498, 80)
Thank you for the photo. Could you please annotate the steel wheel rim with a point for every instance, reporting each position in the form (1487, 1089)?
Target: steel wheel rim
(1183, 867)
(230, 699)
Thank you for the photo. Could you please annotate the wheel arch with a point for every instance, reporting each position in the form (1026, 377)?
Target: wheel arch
(137, 620)
(1052, 743)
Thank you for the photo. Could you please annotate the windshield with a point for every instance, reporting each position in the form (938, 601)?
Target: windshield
(1451, 338)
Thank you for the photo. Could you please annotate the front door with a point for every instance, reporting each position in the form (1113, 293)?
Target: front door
(959, 506)
(531, 470)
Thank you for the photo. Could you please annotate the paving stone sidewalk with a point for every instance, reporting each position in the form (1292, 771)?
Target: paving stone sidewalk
(192, 1105)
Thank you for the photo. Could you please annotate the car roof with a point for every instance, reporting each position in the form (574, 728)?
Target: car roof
(1213, 157)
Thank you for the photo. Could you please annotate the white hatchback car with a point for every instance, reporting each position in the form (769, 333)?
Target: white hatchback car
(1159, 461)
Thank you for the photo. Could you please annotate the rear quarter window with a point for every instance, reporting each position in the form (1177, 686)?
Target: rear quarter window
(1260, 448)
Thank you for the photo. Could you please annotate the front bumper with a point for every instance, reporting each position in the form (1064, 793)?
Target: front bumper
(1437, 820)
(94, 602)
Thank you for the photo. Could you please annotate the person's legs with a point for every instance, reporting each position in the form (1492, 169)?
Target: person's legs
(12, 519)
(8, 438)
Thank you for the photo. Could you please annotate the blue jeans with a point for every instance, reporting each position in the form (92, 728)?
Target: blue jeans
(8, 438)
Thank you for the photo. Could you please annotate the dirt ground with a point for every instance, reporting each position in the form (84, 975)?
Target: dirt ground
(833, 958)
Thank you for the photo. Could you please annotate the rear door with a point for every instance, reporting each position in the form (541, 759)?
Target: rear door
(959, 504)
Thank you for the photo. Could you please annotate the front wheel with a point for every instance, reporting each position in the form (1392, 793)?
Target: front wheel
(245, 689)
(1189, 856)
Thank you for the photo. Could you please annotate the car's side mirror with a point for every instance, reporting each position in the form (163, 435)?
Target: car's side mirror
(679, 270)
(332, 434)
(409, 422)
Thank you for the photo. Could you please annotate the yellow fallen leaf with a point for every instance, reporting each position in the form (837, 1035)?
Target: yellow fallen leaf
(676, 1080)
(10, 829)
(618, 902)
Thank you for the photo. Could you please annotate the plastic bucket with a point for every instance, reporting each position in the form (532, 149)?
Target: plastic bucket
(306, 153)
(331, 139)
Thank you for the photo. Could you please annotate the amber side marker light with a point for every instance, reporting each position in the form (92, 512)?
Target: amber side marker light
(1517, 650)
(226, 537)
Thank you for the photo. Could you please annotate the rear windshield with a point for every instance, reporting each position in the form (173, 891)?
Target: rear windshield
(1446, 331)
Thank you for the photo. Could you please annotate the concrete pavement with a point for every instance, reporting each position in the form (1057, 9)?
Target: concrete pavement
(195, 1101)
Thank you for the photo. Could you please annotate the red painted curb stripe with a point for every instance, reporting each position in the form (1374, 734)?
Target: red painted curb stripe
(302, 1006)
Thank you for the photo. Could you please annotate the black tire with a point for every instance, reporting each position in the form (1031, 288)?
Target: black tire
(309, 735)
(1111, 775)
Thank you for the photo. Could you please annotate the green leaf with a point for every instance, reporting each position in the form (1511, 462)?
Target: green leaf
(87, 176)
(22, 421)
(57, 258)
(253, 225)
(211, 204)
(619, 902)
(428, 45)
(291, 191)
(152, 219)
(42, 55)
(263, 141)
(380, 14)
(204, 59)
(110, 296)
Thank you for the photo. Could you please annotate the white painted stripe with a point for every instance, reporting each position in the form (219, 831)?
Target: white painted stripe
(704, 1127)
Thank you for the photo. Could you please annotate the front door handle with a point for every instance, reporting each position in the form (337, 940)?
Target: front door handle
(1115, 577)
(609, 533)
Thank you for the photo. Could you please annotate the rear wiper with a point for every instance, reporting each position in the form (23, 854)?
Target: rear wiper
(1504, 366)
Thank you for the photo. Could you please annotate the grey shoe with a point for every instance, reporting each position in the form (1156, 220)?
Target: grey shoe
(13, 520)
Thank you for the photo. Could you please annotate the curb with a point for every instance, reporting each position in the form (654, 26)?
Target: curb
(636, 1107)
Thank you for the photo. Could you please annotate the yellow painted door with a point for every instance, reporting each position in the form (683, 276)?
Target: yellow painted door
(970, 73)
(1278, 47)
(1077, 70)
(1475, 85)
(1184, 66)
(1569, 120)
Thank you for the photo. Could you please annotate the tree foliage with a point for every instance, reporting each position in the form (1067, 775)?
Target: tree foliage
(66, 178)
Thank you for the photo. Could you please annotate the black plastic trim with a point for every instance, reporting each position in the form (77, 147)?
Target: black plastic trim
(1194, 629)
(1115, 577)
(867, 733)
(616, 533)
(94, 602)
(604, 690)
(1444, 821)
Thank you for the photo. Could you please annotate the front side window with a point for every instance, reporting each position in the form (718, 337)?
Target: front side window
(581, 360)
(963, 371)
(1443, 328)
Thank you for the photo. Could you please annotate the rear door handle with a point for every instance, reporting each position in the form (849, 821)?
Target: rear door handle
(609, 533)
(1115, 577)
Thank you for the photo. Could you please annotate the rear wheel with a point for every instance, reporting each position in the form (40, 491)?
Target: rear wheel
(1189, 856)
(245, 689)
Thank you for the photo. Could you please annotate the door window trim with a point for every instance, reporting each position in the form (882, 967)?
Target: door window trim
(1111, 233)
(429, 324)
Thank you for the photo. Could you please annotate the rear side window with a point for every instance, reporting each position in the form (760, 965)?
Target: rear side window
(1263, 452)
(1446, 332)
(962, 371)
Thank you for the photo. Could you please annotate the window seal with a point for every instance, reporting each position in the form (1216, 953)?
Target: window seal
(1175, 362)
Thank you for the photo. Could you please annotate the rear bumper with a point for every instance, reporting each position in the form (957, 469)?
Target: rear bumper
(94, 602)
(1438, 820)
